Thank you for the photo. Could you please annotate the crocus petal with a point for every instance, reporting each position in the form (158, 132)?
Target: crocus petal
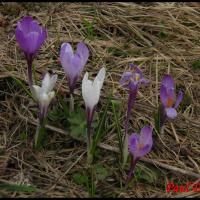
(100, 77)
(30, 35)
(91, 90)
(24, 24)
(146, 135)
(36, 91)
(168, 81)
(82, 50)
(125, 77)
(171, 112)
(138, 71)
(179, 99)
(144, 150)
(66, 51)
(23, 42)
(144, 81)
(133, 143)
(46, 83)
(163, 95)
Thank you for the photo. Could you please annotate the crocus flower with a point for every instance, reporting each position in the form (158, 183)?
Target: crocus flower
(73, 63)
(30, 37)
(91, 93)
(139, 146)
(44, 94)
(131, 80)
(167, 95)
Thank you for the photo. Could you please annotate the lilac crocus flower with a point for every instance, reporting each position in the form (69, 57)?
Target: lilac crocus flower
(139, 146)
(30, 37)
(167, 95)
(131, 80)
(73, 63)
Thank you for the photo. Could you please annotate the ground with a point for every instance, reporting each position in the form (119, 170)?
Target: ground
(160, 38)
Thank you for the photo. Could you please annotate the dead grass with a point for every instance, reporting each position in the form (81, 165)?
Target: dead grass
(160, 37)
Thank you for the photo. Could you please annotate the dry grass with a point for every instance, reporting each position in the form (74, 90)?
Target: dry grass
(159, 37)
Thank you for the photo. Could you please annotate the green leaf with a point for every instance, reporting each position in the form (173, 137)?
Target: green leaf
(20, 84)
(78, 123)
(157, 118)
(196, 65)
(23, 136)
(101, 127)
(101, 172)
(18, 188)
(117, 123)
(80, 179)
(90, 29)
(40, 133)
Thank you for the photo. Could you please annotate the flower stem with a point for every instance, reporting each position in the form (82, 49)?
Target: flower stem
(29, 59)
(90, 114)
(132, 168)
(71, 105)
(131, 101)
(40, 132)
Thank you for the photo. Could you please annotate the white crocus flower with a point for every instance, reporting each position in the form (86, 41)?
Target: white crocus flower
(44, 94)
(91, 93)
(91, 90)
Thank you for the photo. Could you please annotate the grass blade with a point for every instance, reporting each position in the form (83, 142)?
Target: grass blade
(18, 188)
(100, 129)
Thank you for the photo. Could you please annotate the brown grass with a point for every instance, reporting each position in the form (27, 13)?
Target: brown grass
(159, 37)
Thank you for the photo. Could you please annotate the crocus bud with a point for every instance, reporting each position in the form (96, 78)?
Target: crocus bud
(44, 94)
(30, 35)
(73, 63)
(91, 90)
(91, 93)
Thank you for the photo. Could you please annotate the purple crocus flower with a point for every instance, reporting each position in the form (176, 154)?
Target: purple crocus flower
(167, 95)
(139, 146)
(73, 63)
(131, 80)
(30, 37)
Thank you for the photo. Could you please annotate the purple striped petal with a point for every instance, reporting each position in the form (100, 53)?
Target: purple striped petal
(133, 143)
(163, 95)
(146, 135)
(179, 99)
(30, 35)
(168, 81)
(83, 51)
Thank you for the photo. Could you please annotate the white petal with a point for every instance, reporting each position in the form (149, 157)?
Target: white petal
(46, 83)
(53, 81)
(51, 95)
(101, 76)
(91, 90)
(36, 91)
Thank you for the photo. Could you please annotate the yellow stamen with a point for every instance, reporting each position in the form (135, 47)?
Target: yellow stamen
(137, 77)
